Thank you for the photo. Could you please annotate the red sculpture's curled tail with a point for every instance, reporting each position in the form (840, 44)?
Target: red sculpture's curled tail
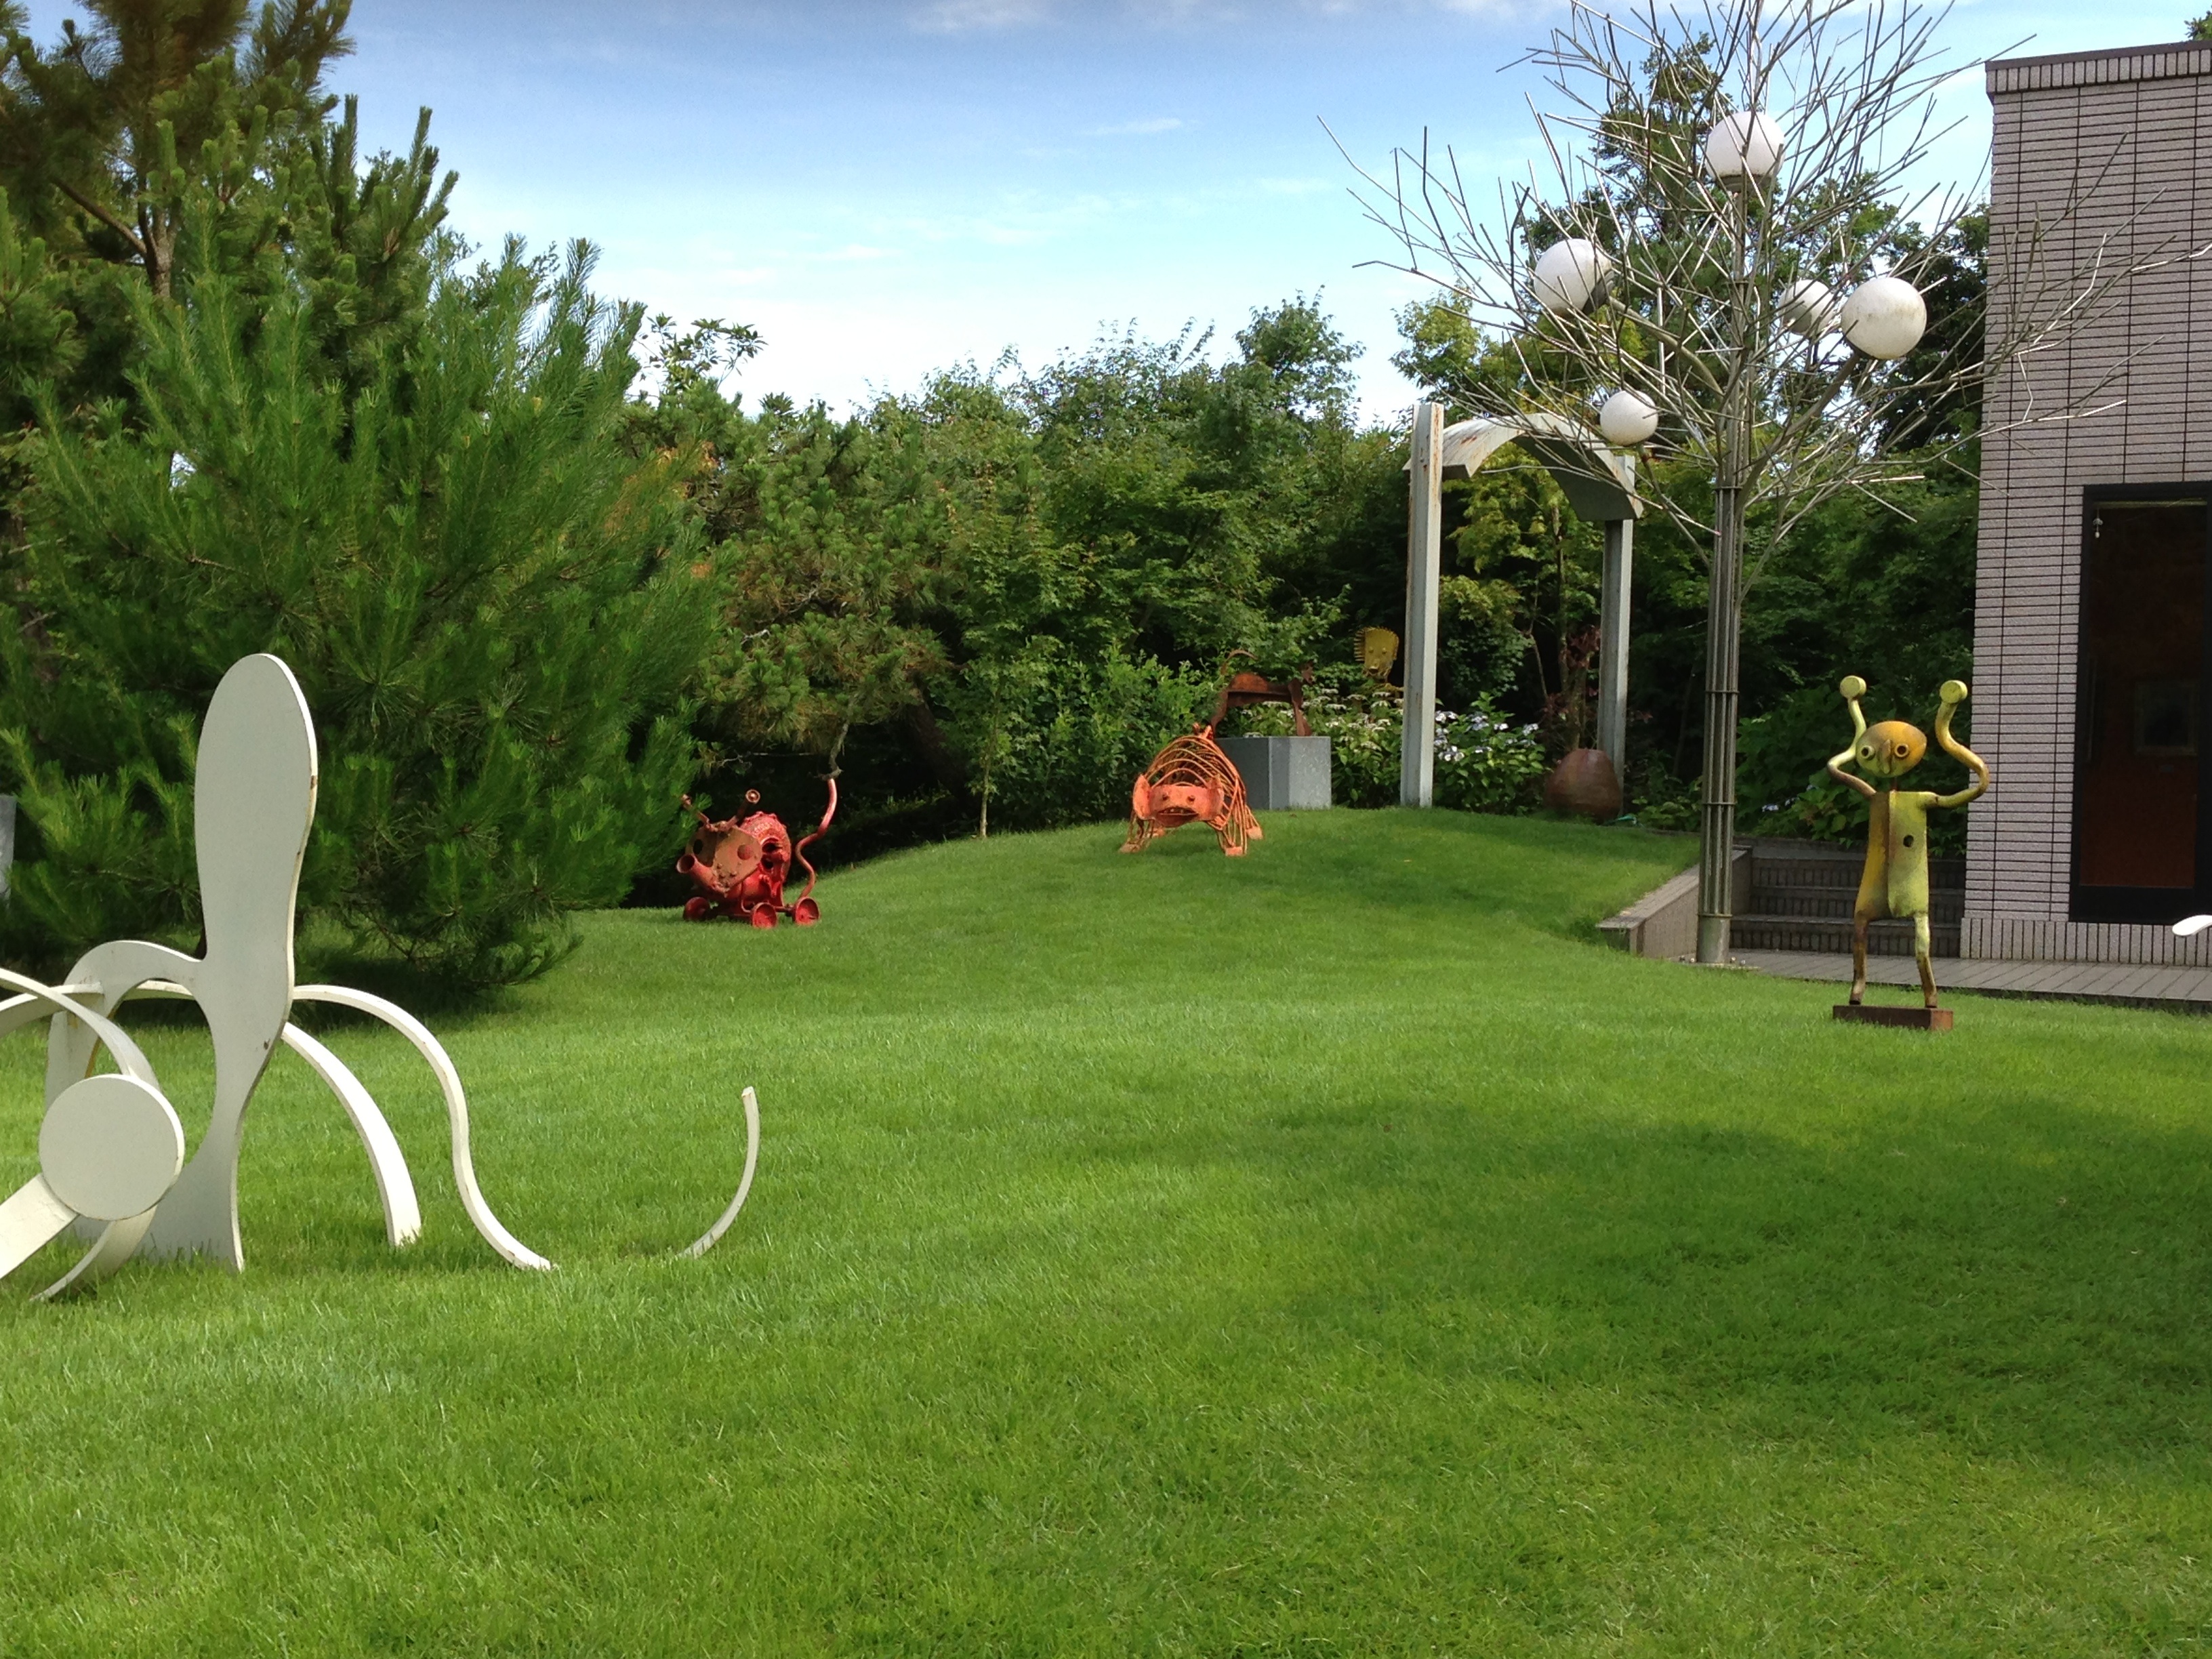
(804, 909)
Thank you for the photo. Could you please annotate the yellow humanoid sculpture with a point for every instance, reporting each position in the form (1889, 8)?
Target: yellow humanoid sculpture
(1896, 879)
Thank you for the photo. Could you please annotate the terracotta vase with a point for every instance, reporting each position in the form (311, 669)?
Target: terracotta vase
(1584, 783)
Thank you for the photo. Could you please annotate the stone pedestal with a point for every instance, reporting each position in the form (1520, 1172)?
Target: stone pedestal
(1281, 774)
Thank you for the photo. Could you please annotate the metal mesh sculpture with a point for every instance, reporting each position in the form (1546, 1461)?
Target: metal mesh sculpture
(111, 1150)
(1191, 781)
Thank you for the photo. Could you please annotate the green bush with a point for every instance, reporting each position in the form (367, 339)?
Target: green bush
(1362, 721)
(1057, 738)
(1485, 763)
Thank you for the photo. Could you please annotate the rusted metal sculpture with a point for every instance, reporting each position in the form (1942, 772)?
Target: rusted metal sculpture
(1896, 879)
(741, 865)
(1246, 688)
(1191, 781)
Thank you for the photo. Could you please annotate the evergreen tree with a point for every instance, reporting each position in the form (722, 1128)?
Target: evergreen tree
(490, 605)
(104, 135)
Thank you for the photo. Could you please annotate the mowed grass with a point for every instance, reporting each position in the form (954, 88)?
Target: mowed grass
(1329, 1251)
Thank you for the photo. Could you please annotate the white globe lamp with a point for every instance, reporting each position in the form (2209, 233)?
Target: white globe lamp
(1744, 148)
(1810, 308)
(1571, 275)
(1885, 318)
(1627, 421)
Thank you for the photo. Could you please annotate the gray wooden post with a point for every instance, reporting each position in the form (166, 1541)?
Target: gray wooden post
(1613, 643)
(1425, 523)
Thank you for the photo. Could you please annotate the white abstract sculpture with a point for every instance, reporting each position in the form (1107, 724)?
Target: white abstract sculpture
(110, 1151)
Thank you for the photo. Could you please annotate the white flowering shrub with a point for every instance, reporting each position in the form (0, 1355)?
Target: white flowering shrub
(1486, 763)
(1360, 719)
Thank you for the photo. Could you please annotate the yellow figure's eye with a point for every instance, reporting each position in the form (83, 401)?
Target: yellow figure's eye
(1866, 751)
(1903, 749)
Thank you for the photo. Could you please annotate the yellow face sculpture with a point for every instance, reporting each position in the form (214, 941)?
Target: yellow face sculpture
(1890, 748)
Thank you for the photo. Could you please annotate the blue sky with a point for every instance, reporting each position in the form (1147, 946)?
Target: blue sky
(883, 187)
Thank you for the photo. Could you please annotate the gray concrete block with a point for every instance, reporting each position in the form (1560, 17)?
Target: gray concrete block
(1282, 773)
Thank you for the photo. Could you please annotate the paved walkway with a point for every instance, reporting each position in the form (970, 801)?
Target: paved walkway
(2179, 988)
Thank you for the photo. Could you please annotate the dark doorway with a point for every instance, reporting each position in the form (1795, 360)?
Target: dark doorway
(2141, 850)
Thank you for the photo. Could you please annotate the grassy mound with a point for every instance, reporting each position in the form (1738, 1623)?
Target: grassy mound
(1331, 1251)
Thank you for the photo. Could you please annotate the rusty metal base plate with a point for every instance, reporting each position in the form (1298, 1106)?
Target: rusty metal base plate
(1913, 1019)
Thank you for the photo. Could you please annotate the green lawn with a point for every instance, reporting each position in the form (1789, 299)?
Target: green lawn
(1329, 1251)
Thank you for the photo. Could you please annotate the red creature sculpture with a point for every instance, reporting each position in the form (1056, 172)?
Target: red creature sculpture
(742, 866)
(1191, 781)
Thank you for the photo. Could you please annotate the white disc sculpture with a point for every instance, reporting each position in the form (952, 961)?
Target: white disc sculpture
(110, 1151)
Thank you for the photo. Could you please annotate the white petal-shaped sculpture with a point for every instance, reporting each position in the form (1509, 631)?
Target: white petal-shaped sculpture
(1885, 318)
(108, 1142)
(112, 1150)
(2188, 926)
(1628, 420)
(1810, 308)
(1571, 275)
(1744, 146)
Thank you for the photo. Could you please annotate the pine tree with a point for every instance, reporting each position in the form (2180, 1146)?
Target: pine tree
(104, 135)
(490, 605)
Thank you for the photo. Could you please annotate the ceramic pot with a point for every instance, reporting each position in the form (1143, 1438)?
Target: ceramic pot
(1583, 783)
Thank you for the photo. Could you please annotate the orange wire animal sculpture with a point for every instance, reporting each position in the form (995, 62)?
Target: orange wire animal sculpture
(1191, 781)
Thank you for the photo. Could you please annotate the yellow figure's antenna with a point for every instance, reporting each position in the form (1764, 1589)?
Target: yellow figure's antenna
(1953, 694)
(1853, 688)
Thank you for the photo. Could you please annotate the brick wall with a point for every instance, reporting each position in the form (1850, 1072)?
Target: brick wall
(2097, 157)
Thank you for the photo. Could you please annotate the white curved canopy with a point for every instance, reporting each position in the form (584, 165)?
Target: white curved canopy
(1599, 484)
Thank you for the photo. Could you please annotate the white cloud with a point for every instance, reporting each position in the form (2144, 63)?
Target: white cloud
(1137, 129)
(959, 16)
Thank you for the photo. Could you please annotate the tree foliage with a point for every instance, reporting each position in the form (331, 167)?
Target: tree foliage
(492, 614)
(259, 401)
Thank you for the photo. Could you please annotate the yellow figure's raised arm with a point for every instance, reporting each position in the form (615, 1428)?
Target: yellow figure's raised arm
(1955, 693)
(1853, 688)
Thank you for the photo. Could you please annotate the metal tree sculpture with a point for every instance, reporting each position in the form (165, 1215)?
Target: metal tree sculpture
(1731, 246)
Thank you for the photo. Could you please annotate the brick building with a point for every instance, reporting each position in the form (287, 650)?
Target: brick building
(2091, 641)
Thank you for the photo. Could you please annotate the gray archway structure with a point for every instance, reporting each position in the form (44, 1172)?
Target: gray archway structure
(1600, 485)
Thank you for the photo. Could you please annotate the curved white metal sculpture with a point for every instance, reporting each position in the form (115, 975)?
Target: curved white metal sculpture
(105, 1152)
